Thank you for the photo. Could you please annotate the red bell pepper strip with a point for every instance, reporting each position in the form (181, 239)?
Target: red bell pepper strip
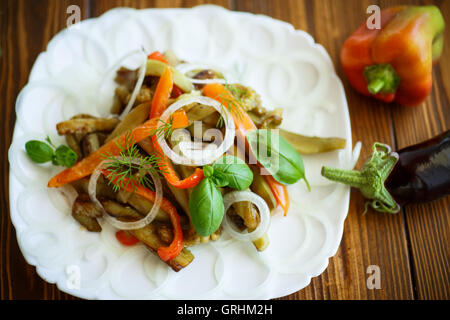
(126, 239)
(162, 93)
(394, 62)
(159, 104)
(176, 91)
(86, 166)
(244, 124)
(165, 253)
(156, 55)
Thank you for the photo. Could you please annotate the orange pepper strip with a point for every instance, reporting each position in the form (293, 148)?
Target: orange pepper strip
(162, 93)
(157, 56)
(86, 166)
(165, 253)
(125, 238)
(244, 124)
(159, 103)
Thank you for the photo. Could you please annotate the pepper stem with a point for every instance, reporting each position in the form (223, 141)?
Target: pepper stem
(381, 78)
(370, 180)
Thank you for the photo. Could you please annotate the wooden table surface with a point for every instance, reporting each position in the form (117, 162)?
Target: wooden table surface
(411, 248)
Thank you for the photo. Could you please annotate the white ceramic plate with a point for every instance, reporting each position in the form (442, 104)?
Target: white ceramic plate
(284, 65)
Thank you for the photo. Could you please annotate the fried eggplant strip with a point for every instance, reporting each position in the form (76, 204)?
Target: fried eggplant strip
(85, 125)
(148, 235)
(86, 212)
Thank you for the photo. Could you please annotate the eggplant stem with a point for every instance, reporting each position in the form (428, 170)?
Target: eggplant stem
(370, 180)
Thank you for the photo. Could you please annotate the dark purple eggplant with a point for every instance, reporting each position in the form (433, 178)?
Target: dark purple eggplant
(418, 173)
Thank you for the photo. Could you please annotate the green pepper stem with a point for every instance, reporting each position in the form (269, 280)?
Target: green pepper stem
(375, 86)
(370, 180)
(381, 78)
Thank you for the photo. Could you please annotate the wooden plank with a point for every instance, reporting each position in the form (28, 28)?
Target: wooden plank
(428, 225)
(26, 26)
(371, 239)
(100, 6)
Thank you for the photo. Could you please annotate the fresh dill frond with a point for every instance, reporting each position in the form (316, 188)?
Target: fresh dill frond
(165, 130)
(130, 167)
(234, 106)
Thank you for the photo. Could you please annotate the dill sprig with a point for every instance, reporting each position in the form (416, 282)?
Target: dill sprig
(232, 105)
(125, 171)
(165, 130)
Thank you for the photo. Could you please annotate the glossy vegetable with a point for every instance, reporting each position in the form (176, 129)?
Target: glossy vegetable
(277, 156)
(41, 152)
(86, 166)
(414, 174)
(156, 55)
(156, 68)
(311, 145)
(206, 207)
(230, 171)
(159, 104)
(244, 125)
(84, 125)
(126, 239)
(165, 253)
(162, 93)
(394, 63)
(149, 237)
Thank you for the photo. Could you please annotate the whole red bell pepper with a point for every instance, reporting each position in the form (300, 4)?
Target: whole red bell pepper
(394, 62)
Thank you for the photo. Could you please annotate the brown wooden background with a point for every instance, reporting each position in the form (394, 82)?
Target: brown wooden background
(411, 248)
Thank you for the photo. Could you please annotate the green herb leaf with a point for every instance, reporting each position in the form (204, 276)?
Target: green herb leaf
(277, 156)
(206, 207)
(39, 151)
(232, 172)
(64, 156)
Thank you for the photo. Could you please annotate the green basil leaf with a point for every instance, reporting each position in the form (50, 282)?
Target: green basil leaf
(219, 180)
(64, 156)
(277, 156)
(206, 207)
(39, 151)
(232, 172)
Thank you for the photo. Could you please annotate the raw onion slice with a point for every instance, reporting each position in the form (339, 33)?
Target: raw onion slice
(92, 189)
(264, 214)
(186, 67)
(211, 152)
(106, 78)
(136, 89)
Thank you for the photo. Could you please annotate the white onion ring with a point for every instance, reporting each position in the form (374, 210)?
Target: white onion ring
(186, 67)
(92, 189)
(264, 214)
(136, 89)
(209, 154)
(113, 69)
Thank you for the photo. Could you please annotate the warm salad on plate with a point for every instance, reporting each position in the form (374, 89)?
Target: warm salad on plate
(184, 157)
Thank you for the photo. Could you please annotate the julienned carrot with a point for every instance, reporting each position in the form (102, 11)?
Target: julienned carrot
(156, 55)
(244, 124)
(159, 104)
(162, 93)
(165, 253)
(86, 166)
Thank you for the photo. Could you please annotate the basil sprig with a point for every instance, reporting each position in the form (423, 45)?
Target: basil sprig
(206, 202)
(277, 156)
(41, 152)
(230, 171)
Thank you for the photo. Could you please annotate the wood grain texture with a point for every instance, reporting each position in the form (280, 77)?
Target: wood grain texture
(411, 248)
